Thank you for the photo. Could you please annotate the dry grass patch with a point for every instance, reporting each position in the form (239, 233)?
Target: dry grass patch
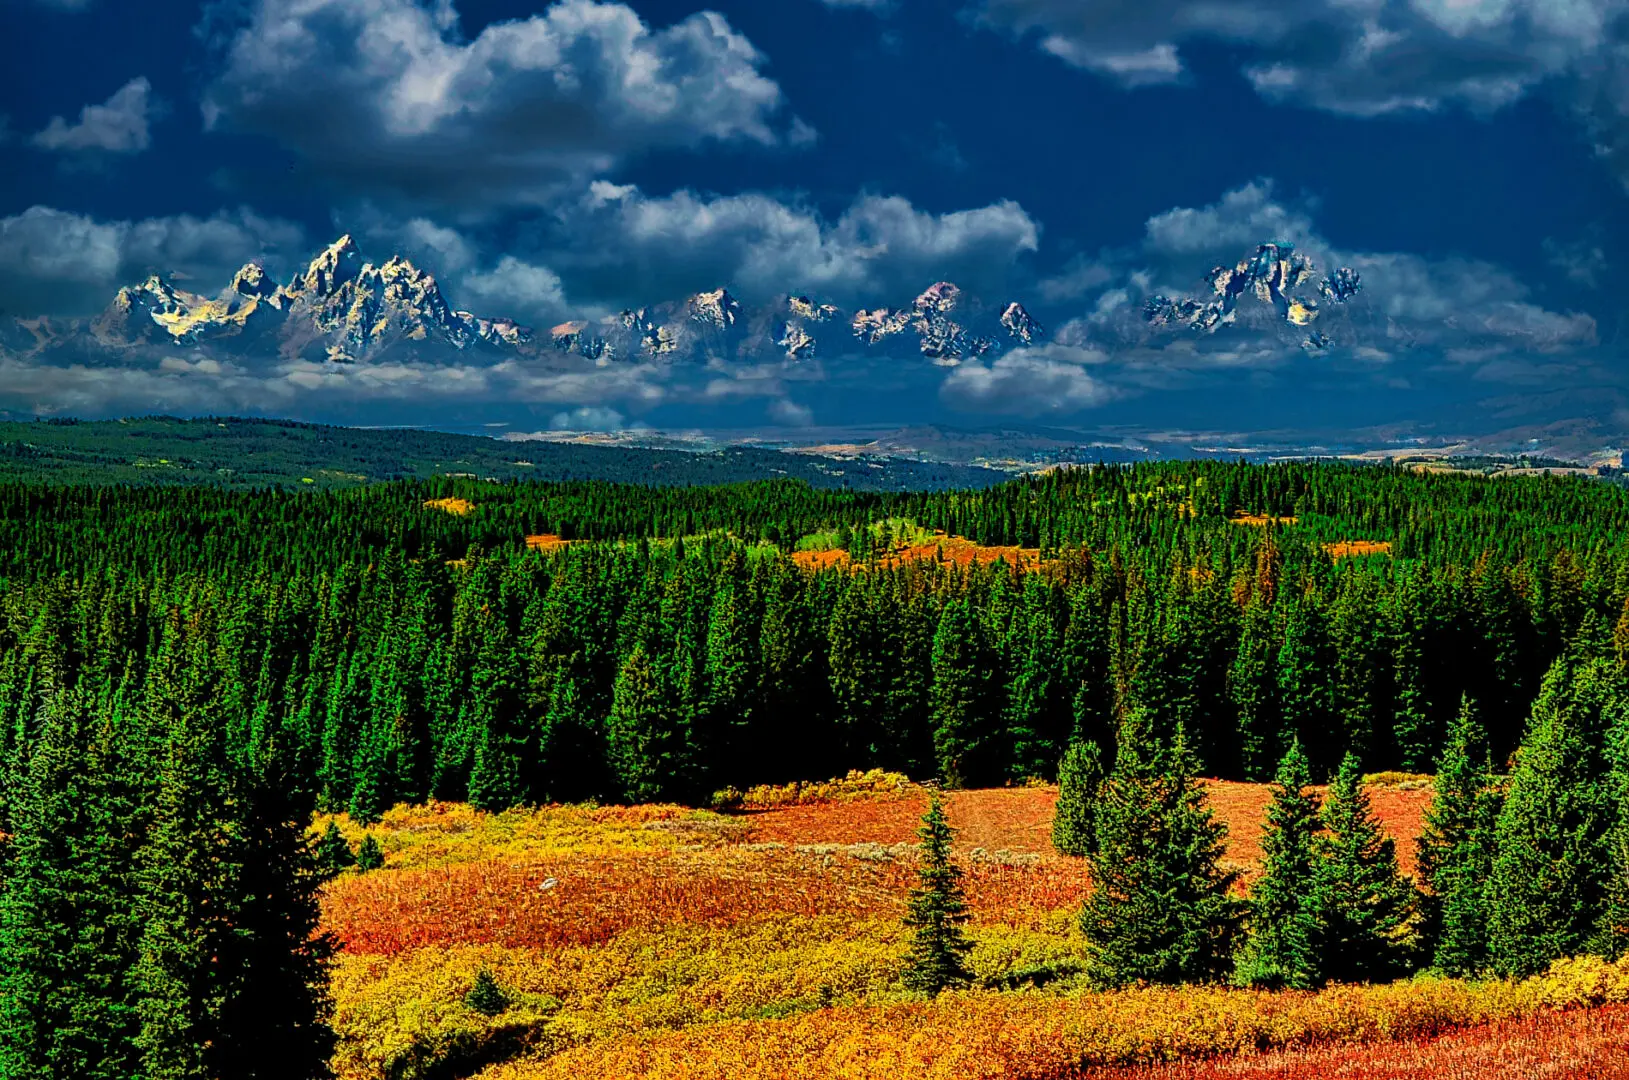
(451, 505)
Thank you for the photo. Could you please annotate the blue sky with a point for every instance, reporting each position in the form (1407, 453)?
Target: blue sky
(1470, 156)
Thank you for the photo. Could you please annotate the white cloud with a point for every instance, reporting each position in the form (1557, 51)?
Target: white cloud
(117, 126)
(1362, 57)
(589, 418)
(515, 288)
(1030, 382)
(383, 96)
(636, 246)
(1409, 303)
(56, 262)
(788, 412)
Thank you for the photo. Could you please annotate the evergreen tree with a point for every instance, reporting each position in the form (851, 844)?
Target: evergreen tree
(1548, 889)
(936, 911)
(369, 856)
(1160, 909)
(648, 740)
(334, 854)
(67, 933)
(961, 737)
(1080, 775)
(1365, 905)
(485, 996)
(1456, 851)
(1282, 949)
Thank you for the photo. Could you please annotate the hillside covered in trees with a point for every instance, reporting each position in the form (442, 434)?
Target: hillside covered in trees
(398, 651)
(189, 673)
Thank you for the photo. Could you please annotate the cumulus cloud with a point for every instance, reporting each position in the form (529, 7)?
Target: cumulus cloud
(1361, 57)
(627, 244)
(53, 262)
(384, 96)
(1052, 379)
(588, 418)
(1451, 310)
(117, 126)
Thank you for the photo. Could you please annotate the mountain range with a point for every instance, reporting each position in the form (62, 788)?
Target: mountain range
(342, 309)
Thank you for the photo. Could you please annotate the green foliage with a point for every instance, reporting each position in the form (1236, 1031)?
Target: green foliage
(1456, 851)
(369, 856)
(485, 996)
(1365, 905)
(334, 855)
(1285, 921)
(1548, 890)
(936, 912)
(1160, 909)
(1080, 775)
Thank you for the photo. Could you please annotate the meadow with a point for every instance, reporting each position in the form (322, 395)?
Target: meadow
(764, 941)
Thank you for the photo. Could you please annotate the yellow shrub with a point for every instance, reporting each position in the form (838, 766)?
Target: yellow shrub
(856, 785)
(442, 833)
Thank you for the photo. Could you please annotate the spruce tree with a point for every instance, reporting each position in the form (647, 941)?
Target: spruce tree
(1365, 904)
(1160, 909)
(67, 931)
(1282, 949)
(369, 856)
(334, 855)
(1612, 933)
(962, 741)
(485, 996)
(1456, 850)
(1548, 890)
(1080, 775)
(936, 911)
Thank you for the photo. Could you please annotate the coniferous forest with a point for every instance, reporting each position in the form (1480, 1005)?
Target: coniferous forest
(188, 674)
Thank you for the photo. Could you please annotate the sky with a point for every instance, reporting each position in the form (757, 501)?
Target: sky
(552, 161)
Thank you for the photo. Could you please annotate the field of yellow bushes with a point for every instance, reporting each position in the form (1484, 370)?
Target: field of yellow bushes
(665, 942)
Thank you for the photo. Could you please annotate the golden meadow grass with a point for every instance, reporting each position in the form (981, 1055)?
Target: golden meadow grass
(686, 944)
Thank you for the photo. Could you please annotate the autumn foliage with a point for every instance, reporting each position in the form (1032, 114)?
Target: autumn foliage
(675, 944)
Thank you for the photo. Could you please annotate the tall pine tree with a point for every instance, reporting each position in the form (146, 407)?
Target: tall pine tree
(1282, 949)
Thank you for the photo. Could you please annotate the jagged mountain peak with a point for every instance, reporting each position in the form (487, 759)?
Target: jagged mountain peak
(716, 309)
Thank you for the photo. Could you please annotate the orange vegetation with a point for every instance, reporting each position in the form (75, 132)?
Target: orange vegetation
(1586, 1044)
(1020, 819)
(1345, 549)
(546, 542)
(988, 1036)
(945, 548)
(1261, 520)
(452, 505)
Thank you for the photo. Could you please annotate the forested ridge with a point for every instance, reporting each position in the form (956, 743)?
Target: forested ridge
(400, 651)
(188, 674)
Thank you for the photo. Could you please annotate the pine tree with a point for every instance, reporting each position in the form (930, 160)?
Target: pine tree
(961, 737)
(937, 911)
(1283, 945)
(1456, 850)
(1160, 909)
(334, 854)
(1548, 889)
(485, 996)
(1612, 932)
(1365, 904)
(67, 932)
(1080, 775)
(369, 856)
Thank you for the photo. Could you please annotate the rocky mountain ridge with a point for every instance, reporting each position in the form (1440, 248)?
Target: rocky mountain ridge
(343, 309)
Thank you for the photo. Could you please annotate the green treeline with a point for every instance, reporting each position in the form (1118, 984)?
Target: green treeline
(186, 674)
(397, 652)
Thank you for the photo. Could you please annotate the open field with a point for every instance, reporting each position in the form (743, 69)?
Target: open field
(660, 941)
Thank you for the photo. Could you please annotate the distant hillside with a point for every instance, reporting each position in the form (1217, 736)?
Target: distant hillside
(259, 453)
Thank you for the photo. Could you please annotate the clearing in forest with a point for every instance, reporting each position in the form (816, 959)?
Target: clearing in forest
(665, 942)
(546, 542)
(452, 505)
(917, 546)
(1261, 520)
(1352, 549)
